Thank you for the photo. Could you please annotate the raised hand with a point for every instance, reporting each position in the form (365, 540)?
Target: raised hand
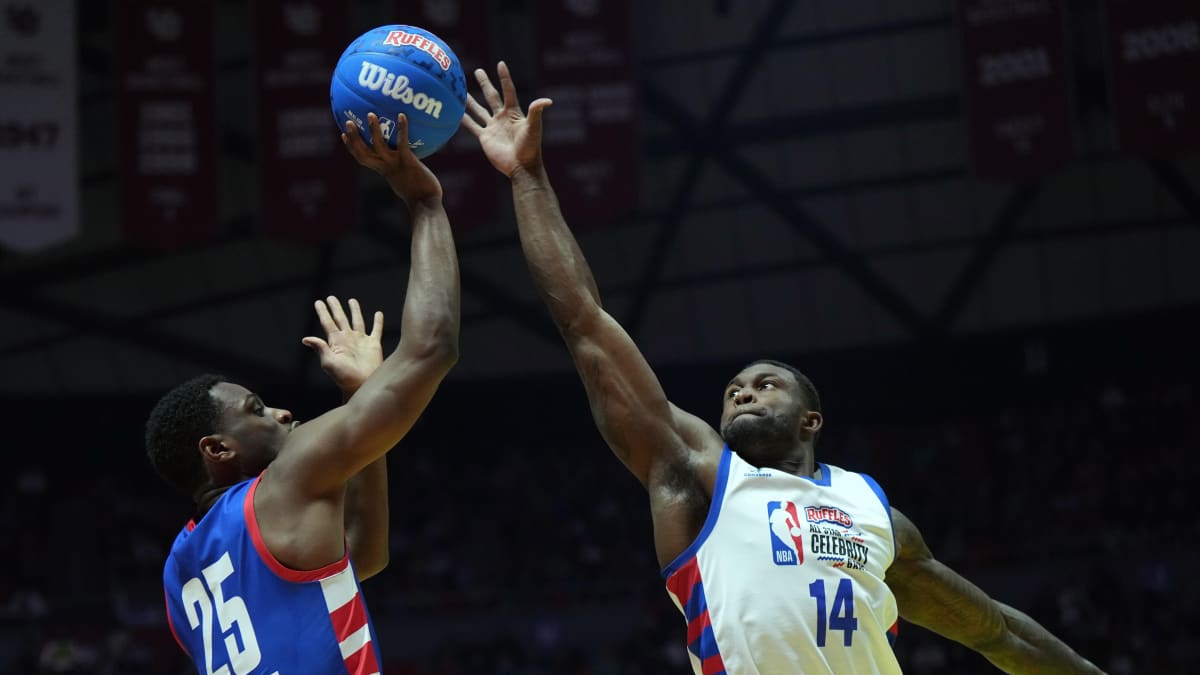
(408, 177)
(349, 354)
(511, 139)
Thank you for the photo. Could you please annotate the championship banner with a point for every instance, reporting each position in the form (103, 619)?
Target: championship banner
(469, 183)
(587, 57)
(166, 126)
(39, 168)
(306, 177)
(1016, 92)
(1154, 62)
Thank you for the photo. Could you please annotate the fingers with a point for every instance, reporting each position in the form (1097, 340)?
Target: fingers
(377, 327)
(489, 92)
(480, 114)
(339, 315)
(402, 131)
(377, 139)
(471, 125)
(356, 317)
(507, 86)
(353, 141)
(323, 316)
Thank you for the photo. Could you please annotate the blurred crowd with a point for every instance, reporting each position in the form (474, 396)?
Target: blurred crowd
(1071, 506)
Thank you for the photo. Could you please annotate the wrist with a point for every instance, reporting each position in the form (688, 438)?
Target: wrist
(529, 174)
(423, 203)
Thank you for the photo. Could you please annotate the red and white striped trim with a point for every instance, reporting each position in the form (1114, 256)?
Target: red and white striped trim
(283, 571)
(348, 614)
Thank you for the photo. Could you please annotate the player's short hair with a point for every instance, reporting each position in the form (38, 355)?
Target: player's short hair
(178, 421)
(812, 400)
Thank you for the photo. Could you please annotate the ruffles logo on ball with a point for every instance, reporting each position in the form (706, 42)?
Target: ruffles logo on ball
(401, 38)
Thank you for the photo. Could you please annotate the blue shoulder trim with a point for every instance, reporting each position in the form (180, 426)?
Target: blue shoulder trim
(714, 510)
(826, 476)
(887, 508)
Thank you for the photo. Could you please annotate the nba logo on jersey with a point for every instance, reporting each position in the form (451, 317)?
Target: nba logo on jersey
(787, 546)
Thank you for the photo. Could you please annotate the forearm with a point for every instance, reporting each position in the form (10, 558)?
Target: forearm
(556, 262)
(1027, 647)
(366, 515)
(432, 304)
(366, 518)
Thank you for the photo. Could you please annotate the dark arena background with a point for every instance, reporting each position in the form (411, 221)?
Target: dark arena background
(974, 223)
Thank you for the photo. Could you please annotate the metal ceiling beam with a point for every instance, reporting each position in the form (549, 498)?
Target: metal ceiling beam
(760, 41)
(120, 256)
(818, 123)
(318, 285)
(199, 304)
(761, 186)
(819, 260)
(754, 271)
(998, 234)
(139, 334)
(530, 317)
(887, 29)
(1177, 184)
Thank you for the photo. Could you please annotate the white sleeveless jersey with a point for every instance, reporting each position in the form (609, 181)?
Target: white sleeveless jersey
(787, 575)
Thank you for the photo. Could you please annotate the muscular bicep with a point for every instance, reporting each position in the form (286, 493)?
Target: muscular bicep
(326, 452)
(931, 595)
(627, 400)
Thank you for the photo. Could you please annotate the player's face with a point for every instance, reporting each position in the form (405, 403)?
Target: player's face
(258, 431)
(762, 411)
(760, 397)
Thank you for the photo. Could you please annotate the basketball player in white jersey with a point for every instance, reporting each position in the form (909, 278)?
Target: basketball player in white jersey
(780, 563)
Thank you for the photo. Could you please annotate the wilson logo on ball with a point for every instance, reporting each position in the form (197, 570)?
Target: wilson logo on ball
(377, 78)
(400, 38)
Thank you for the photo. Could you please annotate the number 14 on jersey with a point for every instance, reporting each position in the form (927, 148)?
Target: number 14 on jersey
(838, 617)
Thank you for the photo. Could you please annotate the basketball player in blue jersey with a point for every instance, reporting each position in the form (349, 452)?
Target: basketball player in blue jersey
(290, 516)
(780, 563)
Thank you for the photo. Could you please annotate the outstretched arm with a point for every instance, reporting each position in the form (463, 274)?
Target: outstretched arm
(627, 400)
(325, 453)
(932, 595)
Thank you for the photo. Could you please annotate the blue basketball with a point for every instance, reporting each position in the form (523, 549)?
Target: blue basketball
(400, 69)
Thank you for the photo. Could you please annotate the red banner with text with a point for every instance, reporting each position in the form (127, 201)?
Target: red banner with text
(305, 175)
(587, 56)
(469, 183)
(1016, 89)
(166, 121)
(1154, 62)
(39, 126)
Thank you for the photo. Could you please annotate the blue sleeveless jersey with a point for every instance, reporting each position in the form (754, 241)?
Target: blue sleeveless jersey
(236, 610)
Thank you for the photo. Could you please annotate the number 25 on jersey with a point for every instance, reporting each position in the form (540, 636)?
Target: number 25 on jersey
(231, 613)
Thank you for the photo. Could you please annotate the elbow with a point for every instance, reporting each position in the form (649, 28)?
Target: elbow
(442, 354)
(438, 347)
(577, 318)
(371, 566)
(994, 640)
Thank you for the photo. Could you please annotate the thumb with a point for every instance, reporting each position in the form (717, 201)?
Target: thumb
(535, 111)
(316, 344)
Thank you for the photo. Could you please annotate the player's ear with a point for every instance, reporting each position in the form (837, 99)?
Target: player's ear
(813, 421)
(216, 448)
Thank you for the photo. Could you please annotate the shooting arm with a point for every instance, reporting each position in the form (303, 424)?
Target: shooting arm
(338, 445)
(932, 595)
